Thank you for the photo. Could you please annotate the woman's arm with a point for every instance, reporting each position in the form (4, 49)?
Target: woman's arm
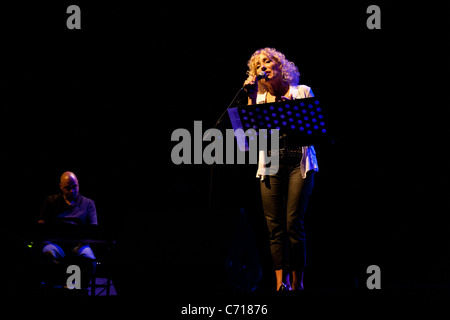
(251, 87)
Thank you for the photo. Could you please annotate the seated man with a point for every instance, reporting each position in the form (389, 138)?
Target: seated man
(68, 211)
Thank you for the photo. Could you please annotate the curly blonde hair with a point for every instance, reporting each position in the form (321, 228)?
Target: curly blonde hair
(289, 71)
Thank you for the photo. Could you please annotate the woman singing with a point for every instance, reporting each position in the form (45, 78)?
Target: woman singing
(285, 194)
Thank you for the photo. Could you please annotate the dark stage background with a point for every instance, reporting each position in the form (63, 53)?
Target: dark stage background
(103, 101)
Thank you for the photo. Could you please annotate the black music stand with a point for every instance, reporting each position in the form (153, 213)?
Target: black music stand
(304, 119)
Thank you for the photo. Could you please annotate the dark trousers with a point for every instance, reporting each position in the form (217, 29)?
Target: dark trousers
(59, 256)
(285, 196)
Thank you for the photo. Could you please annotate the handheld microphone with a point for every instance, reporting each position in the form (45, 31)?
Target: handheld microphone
(261, 75)
(250, 88)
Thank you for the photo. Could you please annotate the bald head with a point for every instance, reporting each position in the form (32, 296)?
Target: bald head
(68, 176)
(69, 186)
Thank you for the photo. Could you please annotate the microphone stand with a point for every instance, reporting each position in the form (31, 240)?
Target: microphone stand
(232, 101)
(212, 165)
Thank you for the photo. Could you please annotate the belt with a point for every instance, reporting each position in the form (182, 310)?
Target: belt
(291, 154)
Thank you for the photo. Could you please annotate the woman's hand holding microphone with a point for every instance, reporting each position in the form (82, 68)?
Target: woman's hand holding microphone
(251, 86)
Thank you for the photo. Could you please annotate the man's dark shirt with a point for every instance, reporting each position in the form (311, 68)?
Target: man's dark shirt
(55, 209)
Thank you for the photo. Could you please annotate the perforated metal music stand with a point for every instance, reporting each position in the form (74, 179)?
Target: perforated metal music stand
(304, 119)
